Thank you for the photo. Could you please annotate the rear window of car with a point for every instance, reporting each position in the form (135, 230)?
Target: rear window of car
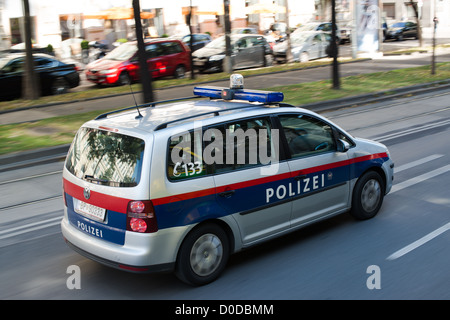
(106, 158)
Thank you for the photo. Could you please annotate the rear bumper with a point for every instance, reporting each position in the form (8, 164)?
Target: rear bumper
(167, 267)
(141, 252)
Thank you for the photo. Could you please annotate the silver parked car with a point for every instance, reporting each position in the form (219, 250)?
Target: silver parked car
(305, 46)
(248, 50)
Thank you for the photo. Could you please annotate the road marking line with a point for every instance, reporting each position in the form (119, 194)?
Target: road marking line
(417, 162)
(30, 225)
(9, 235)
(419, 242)
(418, 179)
(412, 130)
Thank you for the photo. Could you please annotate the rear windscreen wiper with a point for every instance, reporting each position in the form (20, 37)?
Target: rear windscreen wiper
(92, 179)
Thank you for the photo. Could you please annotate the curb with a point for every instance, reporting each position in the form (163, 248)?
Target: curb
(58, 153)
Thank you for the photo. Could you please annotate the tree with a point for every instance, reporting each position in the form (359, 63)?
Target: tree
(145, 75)
(419, 28)
(30, 84)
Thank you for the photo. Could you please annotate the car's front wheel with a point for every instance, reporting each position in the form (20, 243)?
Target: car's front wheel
(203, 255)
(368, 196)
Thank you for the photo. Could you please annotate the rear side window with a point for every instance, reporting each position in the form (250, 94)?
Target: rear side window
(185, 156)
(221, 148)
(106, 158)
(171, 47)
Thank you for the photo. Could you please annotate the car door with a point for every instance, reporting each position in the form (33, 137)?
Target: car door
(47, 71)
(247, 53)
(315, 47)
(249, 179)
(170, 57)
(320, 174)
(11, 78)
(157, 63)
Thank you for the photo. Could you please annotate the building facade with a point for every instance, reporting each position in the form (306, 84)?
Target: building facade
(54, 21)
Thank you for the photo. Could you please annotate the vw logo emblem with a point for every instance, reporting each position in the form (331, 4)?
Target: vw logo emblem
(87, 193)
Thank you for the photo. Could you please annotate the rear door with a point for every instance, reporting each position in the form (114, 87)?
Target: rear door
(250, 182)
(157, 62)
(249, 53)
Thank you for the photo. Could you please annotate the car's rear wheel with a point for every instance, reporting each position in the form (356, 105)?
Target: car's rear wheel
(368, 196)
(203, 255)
(59, 86)
(180, 72)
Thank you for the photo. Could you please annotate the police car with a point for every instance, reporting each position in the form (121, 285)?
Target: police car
(179, 186)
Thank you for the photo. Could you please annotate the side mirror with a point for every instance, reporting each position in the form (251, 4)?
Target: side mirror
(343, 146)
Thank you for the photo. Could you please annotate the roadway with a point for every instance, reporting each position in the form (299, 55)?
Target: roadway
(407, 241)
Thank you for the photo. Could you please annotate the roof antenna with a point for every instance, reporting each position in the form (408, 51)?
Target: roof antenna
(139, 113)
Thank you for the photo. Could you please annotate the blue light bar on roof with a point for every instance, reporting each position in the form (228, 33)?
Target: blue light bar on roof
(239, 94)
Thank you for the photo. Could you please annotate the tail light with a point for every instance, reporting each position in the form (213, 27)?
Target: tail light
(141, 217)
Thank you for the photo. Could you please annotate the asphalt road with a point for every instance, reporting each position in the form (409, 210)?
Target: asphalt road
(405, 245)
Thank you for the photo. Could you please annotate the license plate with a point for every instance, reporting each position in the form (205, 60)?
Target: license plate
(90, 211)
(91, 77)
(198, 63)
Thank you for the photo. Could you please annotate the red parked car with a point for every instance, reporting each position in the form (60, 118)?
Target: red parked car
(166, 57)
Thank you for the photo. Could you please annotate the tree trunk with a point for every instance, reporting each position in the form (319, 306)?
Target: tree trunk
(30, 82)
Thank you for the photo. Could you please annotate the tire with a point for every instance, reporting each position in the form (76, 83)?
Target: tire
(203, 255)
(59, 86)
(179, 72)
(368, 196)
(304, 57)
(124, 79)
(268, 60)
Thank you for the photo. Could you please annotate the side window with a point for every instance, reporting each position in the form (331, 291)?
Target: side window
(184, 157)
(151, 50)
(242, 43)
(170, 47)
(44, 63)
(307, 135)
(241, 144)
(17, 65)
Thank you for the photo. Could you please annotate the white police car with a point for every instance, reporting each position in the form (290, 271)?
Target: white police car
(180, 186)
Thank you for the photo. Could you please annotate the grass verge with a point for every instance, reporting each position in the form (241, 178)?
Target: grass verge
(60, 130)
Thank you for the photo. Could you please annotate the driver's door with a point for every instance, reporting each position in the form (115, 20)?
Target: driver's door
(11, 78)
(319, 173)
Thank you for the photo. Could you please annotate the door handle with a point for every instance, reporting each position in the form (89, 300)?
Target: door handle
(227, 194)
(300, 177)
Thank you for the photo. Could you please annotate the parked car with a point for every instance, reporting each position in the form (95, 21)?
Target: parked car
(345, 33)
(305, 46)
(248, 50)
(401, 30)
(166, 57)
(55, 76)
(245, 30)
(319, 26)
(199, 40)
